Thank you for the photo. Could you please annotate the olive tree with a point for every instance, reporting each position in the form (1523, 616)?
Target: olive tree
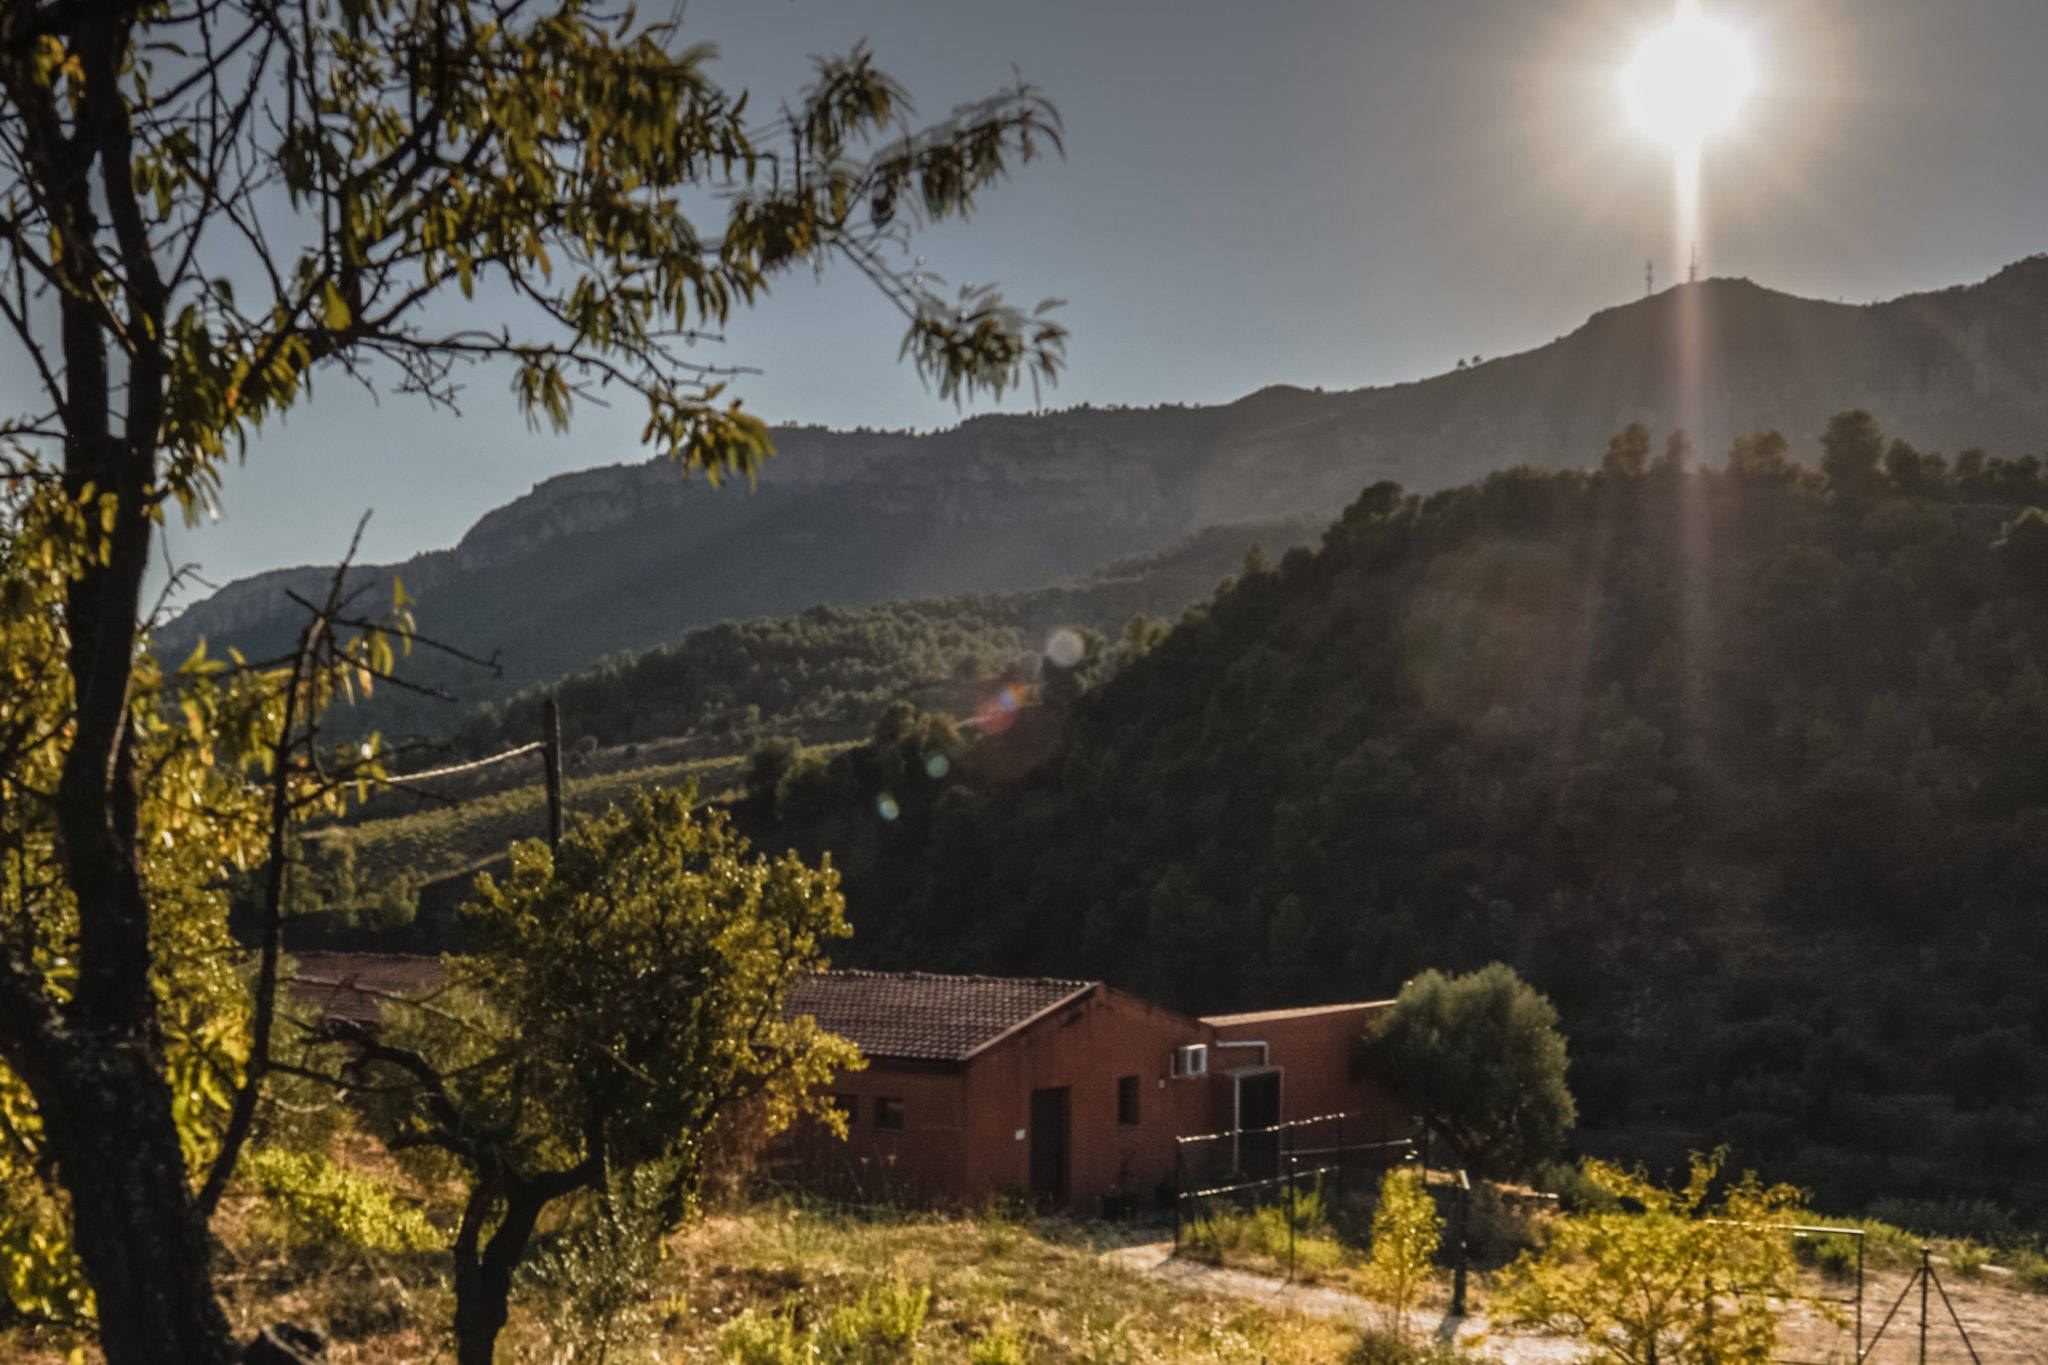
(630, 990)
(204, 204)
(1480, 1058)
(1677, 1277)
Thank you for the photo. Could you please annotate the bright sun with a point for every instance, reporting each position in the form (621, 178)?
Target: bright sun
(1688, 82)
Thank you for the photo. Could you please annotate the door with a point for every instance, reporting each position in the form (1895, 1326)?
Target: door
(1258, 1119)
(1049, 1147)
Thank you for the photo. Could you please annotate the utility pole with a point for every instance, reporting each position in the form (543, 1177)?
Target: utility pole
(551, 764)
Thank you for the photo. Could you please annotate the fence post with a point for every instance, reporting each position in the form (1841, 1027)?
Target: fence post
(1859, 1299)
(1291, 1206)
(551, 767)
(1926, 1264)
(1180, 1191)
(1458, 1273)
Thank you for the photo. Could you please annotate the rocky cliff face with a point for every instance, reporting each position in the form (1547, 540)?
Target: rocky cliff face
(624, 556)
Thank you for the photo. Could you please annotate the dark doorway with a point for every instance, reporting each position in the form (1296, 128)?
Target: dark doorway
(1049, 1146)
(1258, 1108)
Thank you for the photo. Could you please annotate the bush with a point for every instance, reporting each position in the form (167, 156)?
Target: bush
(327, 1205)
(1977, 1220)
(751, 1339)
(882, 1326)
(1002, 1345)
(2030, 1271)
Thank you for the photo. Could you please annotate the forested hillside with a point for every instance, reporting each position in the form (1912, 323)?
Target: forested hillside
(630, 557)
(1747, 769)
(827, 673)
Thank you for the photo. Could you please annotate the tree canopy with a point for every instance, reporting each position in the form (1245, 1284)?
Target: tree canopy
(1479, 1057)
(1743, 773)
(629, 994)
(208, 206)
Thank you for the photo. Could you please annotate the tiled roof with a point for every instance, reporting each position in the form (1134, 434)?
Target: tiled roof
(354, 986)
(1281, 1016)
(922, 1017)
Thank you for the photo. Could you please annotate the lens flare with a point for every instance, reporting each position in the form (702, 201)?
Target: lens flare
(1688, 82)
(1066, 647)
(886, 807)
(937, 766)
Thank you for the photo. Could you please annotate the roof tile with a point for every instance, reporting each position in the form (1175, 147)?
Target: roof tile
(920, 1016)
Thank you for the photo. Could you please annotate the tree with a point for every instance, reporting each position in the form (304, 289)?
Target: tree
(629, 993)
(1628, 452)
(1683, 1280)
(1852, 451)
(206, 203)
(1480, 1058)
(1406, 1230)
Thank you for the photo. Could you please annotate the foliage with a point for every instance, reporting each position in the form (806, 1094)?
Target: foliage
(1743, 774)
(629, 994)
(1682, 1277)
(1294, 1233)
(1406, 1229)
(880, 1327)
(1480, 1058)
(756, 1338)
(208, 205)
(333, 1206)
(197, 822)
(1001, 1345)
(592, 1281)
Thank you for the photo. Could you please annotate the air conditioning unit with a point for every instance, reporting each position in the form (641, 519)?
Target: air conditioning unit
(1191, 1060)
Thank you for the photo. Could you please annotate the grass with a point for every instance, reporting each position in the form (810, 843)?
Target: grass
(442, 842)
(780, 1283)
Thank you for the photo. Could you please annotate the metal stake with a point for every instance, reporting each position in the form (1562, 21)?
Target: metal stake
(551, 765)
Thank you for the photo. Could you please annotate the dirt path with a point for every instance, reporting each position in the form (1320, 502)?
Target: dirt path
(2006, 1326)
(1474, 1334)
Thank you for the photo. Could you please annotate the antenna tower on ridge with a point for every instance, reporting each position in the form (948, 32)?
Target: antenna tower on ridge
(1693, 275)
(1649, 278)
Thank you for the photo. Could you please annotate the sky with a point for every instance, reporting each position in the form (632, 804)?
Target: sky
(1287, 191)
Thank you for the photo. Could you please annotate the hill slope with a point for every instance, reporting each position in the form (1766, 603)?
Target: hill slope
(629, 556)
(1749, 771)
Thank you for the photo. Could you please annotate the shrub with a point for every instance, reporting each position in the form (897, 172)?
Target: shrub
(751, 1339)
(1969, 1258)
(1001, 1345)
(1977, 1220)
(330, 1206)
(2030, 1271)
(1406, 1230)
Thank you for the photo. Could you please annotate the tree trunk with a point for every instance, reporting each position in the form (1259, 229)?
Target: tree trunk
(106, 1110)
(483, 1284)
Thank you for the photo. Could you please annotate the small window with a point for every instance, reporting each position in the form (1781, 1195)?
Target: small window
(888, 1112)
(848, 1105)
(1127, 1100)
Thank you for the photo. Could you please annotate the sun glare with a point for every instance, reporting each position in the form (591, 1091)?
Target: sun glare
(1688, 82)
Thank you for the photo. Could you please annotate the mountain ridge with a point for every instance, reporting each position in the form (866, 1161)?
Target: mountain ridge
(1008, 501)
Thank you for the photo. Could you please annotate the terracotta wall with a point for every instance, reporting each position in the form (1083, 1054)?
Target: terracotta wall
(1086, 1049)
(966, 1133)
(1313, 1049)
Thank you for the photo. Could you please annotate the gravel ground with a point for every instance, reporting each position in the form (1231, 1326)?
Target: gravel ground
(2006, 1326)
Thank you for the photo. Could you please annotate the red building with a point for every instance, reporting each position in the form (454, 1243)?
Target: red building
(1070, 1092)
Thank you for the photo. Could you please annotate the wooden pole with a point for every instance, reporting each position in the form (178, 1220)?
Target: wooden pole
(551, 762)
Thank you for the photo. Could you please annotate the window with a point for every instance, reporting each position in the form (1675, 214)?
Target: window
(1191, 1060)
(848, 1105)
(888, 1112)
(1127, 1100)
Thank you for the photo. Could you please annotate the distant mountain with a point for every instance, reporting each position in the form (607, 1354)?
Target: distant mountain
(631, 556)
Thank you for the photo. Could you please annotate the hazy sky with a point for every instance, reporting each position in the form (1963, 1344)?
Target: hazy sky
(1336, 194)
